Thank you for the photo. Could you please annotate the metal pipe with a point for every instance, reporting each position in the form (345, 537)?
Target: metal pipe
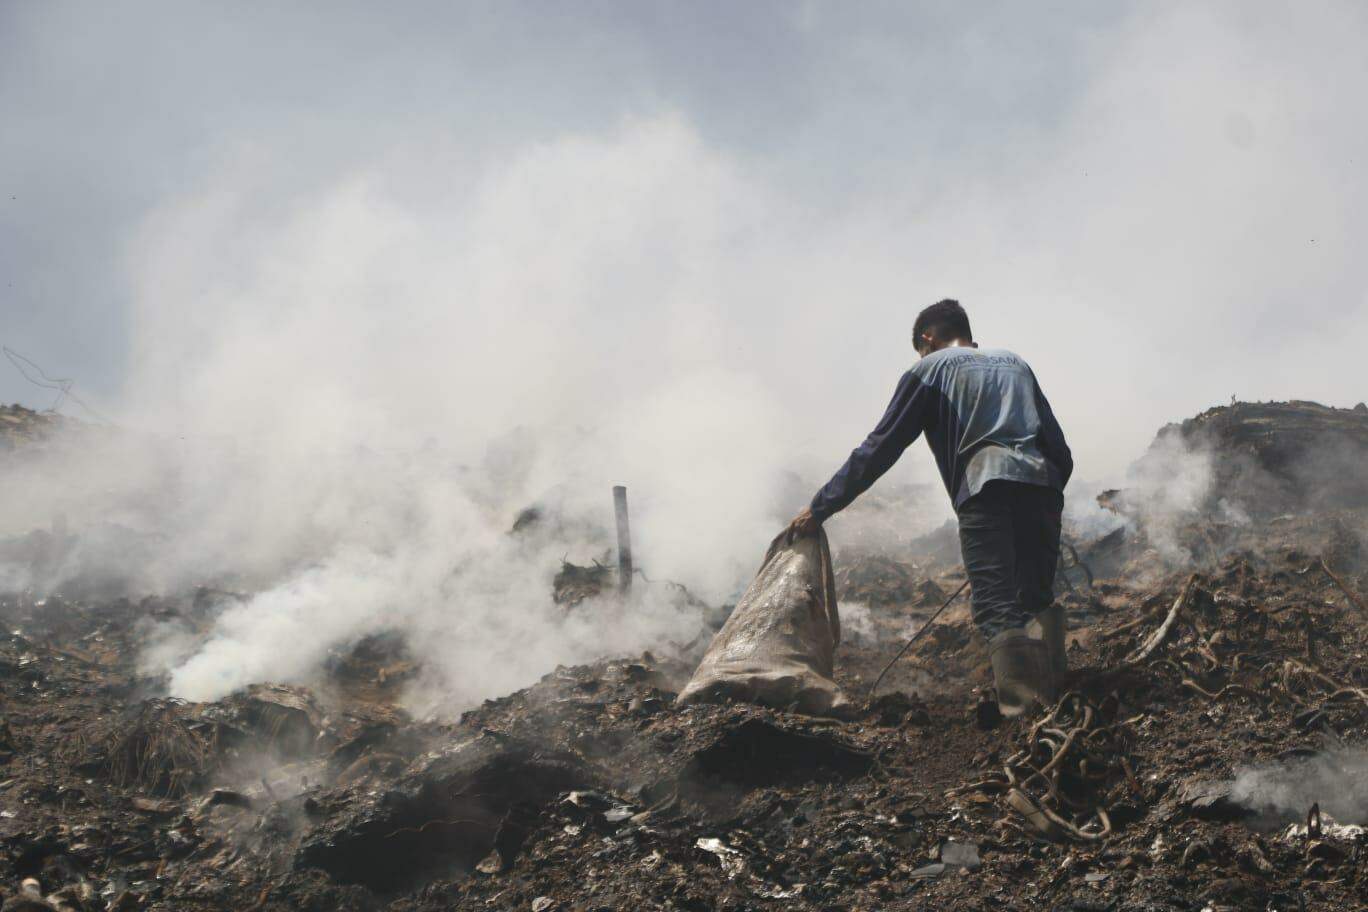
(624, 538)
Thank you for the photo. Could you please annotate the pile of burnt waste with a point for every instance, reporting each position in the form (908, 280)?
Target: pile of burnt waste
(1208, 752)
(1204, 756)
(1279, 457)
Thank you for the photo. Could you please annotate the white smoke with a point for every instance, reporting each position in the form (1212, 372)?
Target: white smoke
(857, 624)
(1165, 491)
(1336, 779)
(343, 378)
(1170, 486)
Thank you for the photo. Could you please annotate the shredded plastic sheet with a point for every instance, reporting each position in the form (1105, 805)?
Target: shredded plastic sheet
(778, 648)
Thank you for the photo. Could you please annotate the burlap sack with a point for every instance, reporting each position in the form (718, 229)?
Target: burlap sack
(778, 647)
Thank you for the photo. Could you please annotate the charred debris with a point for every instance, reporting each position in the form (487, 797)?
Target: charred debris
(1209, 752)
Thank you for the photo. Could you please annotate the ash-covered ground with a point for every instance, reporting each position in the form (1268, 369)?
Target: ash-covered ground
(1209, 752)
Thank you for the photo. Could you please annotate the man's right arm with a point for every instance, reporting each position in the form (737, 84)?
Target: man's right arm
(902, 422)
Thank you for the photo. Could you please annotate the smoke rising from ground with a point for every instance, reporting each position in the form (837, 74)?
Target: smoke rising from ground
(1336, 779)
(351, 463)
(1165, 490)
(366, 325)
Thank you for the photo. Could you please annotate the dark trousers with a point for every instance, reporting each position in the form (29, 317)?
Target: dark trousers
(1009, 537)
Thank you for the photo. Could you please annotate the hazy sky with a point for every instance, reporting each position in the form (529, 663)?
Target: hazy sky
(1159, 205)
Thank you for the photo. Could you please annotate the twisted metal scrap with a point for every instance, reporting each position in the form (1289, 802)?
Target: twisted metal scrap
(1262, 675)
(1157, 638)
(1070, 767)
(1073, 764)
(1343, 586)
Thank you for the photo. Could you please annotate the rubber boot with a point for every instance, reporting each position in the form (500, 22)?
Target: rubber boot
(1052, 631)
(1021, 672)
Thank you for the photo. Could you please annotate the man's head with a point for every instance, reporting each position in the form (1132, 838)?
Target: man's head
(941, 325)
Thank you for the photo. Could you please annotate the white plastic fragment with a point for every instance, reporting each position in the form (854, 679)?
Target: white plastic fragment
(732, 863)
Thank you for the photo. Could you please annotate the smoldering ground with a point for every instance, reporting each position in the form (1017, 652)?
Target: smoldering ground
(334, 315)
(1336, 780)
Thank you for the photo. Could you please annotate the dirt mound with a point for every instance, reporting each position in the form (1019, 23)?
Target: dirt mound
(1249, 478)
(473, 804)
(1280, 457)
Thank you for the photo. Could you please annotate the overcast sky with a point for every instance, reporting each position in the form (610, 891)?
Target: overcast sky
(1159, 205)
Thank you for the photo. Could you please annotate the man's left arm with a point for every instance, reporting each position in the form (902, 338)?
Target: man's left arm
(1051, 437)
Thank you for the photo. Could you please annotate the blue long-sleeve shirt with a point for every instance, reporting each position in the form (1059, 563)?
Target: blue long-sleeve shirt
(984, 417)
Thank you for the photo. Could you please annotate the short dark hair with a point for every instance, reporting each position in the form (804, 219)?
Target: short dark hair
(944, 320)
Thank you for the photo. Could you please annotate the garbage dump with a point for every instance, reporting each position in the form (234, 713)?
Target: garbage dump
(778, 648)
(1277, 457)
(1206, 752)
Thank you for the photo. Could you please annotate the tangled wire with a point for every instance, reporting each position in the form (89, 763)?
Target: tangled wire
(1209, 660)
(1070, 767)
(156, 749)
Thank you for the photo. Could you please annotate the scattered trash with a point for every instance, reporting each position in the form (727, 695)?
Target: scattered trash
(1322, 826)
(229, 797)
(618, 814)
(898, 708)
(954, 857)
(1197, 851)
(731, 860)
(1212, 799)
(961, 855)
(591, 787)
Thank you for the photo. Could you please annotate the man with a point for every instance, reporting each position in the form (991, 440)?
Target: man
(1004, 461)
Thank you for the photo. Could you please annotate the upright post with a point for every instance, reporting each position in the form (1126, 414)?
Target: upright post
(624, 536)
